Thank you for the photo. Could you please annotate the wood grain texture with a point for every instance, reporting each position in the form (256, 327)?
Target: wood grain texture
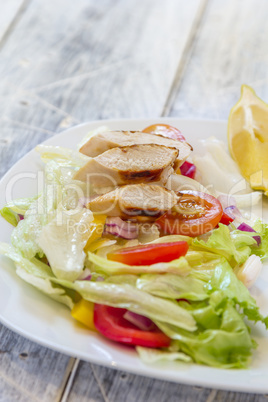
(119, 386)
(9, 12)
(29, 372)
(230, 49)
(95, 59)
(74, 62)
(83, 60)
(222, 396)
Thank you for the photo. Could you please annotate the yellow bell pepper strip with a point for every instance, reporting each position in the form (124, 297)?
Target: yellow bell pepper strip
(83, 311)
(99, 243)
(96, 228)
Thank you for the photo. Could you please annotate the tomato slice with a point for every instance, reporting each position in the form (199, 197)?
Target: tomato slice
(166, 130)
(226, 219)
(202, 213)
(110, 322)
(149, 253)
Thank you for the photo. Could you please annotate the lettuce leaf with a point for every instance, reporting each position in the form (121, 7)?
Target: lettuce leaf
(262, 230)
(11, 210)
(234, 245)
(10, 216)
(61, 193)
(102, 265)
(63, 239)
(63, 156)
(37, 274)
(227, 346)
(151, 355)
(46, 286)
(173, 286)
(133, 299)
(224, 285)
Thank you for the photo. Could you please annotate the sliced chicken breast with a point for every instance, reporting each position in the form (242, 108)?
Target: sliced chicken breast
(129, 165)
(135, 200)
(101, 142)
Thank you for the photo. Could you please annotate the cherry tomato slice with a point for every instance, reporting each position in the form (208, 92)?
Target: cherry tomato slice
(206, 214)
(149, 253)
(166, 130)
(110, 322)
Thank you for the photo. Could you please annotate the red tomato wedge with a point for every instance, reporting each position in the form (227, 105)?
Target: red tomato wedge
(226, 219)
(166, 130)
(202, 214)
(110, 322)
(149, 253)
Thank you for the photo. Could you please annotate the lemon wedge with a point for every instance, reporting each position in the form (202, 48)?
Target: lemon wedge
(248, 138)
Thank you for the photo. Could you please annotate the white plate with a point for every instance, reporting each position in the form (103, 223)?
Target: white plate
(33, 315)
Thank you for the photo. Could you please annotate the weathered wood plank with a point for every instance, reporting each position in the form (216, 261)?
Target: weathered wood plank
(223, 396)
(9, 12)
(74, 80)
(230, 49)
(97, 59)
(73, 62)
(119, 386)
(28, 372)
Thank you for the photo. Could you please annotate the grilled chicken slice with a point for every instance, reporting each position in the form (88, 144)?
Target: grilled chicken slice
(129, 165)
(134, 200)
(101, 142)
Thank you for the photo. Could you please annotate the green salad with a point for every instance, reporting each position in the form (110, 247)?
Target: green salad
(145, 261)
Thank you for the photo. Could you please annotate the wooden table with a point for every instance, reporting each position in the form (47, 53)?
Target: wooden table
(64, 62)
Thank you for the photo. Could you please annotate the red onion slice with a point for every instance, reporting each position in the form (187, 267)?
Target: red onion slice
(188, 169)
(233, 212)
(143, 323)
(246, 228)
(118, 227)
(85, 275)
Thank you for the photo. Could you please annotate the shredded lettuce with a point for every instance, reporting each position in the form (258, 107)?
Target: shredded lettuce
(24, 236)
(172, 286)
(63, 156)
(46, 286)
(196, 300)
(221, 338)
(61, 193)
(11, 210)
(172, 238)
(63, 239)
(102, 265)
(37, 274)
(9, 216)
(151, 355)
(133, 299)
